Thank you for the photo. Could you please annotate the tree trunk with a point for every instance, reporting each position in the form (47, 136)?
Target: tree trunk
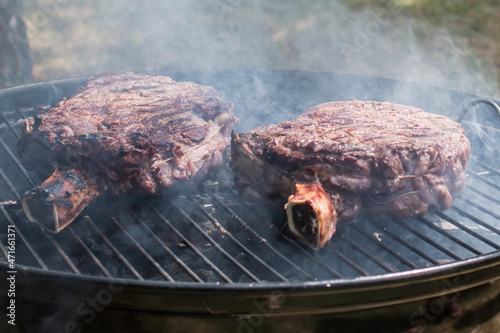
(15, 58)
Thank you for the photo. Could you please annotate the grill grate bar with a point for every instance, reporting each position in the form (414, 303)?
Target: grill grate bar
(21, 236)
(467, 230)
(489, 167)
(216, 245)
(21, 112)
(114, 249)
(484, 179)
(347, 260)
(89, 252)
(243, 247)
(430, 241)
(191, 246)
(61, 252)
(140, 248)
(16, 161)
(9, 125)
(181, 263)
(482, 194)
(33, 112)
(475, 219)
(406, 244)
(385, 247)
(256, 234)
(10, 185)
(449, 236)
(368, 255)
(304, 252)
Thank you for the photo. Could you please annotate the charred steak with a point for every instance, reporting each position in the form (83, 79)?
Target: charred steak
(123, 133)
(340, 157)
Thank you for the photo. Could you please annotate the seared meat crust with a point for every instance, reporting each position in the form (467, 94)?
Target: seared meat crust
(387, 158)
(134, 133)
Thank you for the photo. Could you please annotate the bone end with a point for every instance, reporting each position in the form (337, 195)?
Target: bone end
(57, 202)
(311, 215)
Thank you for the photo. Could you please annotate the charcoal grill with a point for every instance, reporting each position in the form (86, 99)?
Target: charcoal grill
(204, 260)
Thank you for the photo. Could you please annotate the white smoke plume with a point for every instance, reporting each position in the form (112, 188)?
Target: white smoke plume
(315, 35)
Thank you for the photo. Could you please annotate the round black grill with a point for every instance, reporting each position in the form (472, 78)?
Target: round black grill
(207, 240)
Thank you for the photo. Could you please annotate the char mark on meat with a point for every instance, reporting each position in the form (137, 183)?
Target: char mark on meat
(340, 158)
(123, 133)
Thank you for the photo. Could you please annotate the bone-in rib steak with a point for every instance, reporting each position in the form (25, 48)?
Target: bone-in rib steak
(123, 133)
(340, 157)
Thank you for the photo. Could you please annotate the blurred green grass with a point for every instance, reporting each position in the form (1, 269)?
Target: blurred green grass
(78, 37)
(476, 20)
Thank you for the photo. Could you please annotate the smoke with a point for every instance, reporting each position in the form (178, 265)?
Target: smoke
(76, 37)
(316, 35)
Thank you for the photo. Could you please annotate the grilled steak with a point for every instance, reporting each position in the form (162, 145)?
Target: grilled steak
(123, 133)
(342, 157)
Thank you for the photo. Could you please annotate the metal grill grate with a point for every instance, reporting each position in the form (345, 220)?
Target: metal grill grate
(209, 235)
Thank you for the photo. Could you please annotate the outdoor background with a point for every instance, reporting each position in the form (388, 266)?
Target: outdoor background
(448, 43)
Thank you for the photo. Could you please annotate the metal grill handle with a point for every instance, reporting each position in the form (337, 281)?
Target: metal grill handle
(469, 106)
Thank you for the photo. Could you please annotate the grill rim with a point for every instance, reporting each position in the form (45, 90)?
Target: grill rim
(441, 271)
(304, 299)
